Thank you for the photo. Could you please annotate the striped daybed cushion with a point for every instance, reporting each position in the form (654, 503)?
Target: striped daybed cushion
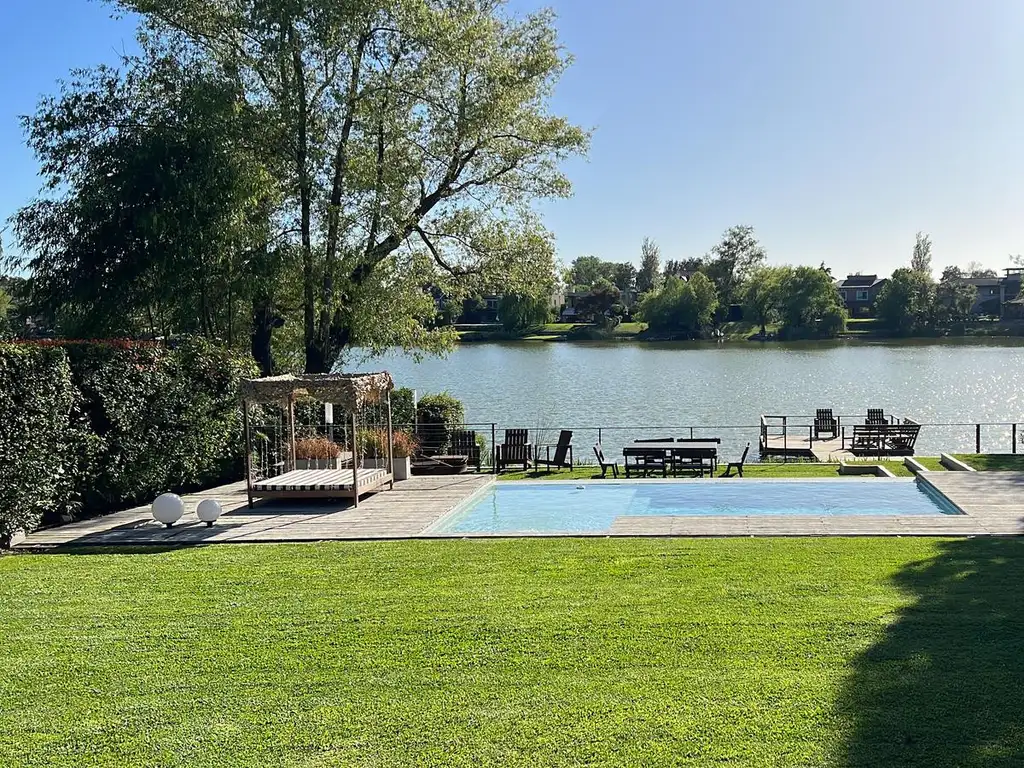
(319, 480)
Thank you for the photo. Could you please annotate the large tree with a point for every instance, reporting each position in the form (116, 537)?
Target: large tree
(905, 303)
(648, 278)
(810, 304)
(158, 214)
(732, 261)
(409, 126)
(762, 295)
(921, 261)
(954, 298)
(681, 307)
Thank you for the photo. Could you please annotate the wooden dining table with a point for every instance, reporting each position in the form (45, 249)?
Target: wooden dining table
(694, 454)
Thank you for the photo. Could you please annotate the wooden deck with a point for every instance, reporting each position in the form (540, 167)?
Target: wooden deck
(406, 511)
(804, 447)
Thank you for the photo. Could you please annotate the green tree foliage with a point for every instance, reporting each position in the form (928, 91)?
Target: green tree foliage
(762, 294)
(649, 278)
(732, 261)
(977, 269)
(436, 417)
(412, 132)
(520, 312)
(603, 305)
(624, 277)
(681, 307)
(333, 164)
(905, 303)
(954, 298)
(587, 270)
(921, 261)
(683, 267)
(810, 305)
(158, 217)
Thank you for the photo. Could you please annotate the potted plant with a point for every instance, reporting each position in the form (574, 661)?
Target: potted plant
(374, 445)
(316, 453)
(405, 446)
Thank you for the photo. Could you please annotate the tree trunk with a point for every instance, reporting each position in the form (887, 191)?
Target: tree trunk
(263, 324)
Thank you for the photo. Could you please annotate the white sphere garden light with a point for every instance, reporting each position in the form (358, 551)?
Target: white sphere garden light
(168, 508)
(208, 511)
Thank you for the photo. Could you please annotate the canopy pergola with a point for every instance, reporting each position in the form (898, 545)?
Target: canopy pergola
(271, 470)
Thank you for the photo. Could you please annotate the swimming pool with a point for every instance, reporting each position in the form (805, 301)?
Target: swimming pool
(554, 507)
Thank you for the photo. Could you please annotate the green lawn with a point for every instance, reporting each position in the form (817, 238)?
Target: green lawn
(766, 469)
(629, 652)
(930, 462)
(985, 462)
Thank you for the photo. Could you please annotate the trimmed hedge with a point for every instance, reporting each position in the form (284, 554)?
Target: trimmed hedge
(135, 420)
(36, 456)
(436, 416)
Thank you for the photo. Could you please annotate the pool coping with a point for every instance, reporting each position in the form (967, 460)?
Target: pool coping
(958, 522)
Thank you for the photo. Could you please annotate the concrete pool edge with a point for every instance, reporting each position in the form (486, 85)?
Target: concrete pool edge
(956, 522)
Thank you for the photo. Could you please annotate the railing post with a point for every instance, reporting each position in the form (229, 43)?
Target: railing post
(691, 433)
(977, 438)
(494, 450)
(785, 442)
(1013, 438)
(599, 441)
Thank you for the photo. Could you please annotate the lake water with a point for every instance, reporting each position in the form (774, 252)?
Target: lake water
(623, 386)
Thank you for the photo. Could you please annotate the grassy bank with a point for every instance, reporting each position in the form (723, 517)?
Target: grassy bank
(753, 652)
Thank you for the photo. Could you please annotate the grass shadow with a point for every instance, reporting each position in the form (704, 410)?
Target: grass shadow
(945, 684)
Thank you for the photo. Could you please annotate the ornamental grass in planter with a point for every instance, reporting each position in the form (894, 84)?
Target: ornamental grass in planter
(317, 453)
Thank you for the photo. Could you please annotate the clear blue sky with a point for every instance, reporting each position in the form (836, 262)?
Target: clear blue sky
(838, 128)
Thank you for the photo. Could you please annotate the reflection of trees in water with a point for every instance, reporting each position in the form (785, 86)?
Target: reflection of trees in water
(945, 685)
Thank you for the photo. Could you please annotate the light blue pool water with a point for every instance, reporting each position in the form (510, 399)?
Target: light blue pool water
(547, 507)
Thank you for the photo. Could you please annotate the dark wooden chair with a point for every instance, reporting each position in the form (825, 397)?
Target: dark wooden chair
(563, 452)
(517, 449)
(903, 437)
(463, 443)
(876, 416)
(825, 422)
(605, 464)
(737, 465)
(869, 439)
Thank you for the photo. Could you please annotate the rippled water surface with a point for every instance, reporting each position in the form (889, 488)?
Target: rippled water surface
(629, 385)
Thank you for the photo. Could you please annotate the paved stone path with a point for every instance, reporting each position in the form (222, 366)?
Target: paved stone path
(993, 503)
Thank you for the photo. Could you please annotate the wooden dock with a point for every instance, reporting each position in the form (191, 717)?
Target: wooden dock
(803, 447)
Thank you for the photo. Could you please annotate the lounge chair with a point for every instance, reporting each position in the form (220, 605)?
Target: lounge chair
(563, 449)
(614, 463)
(876, 416)
(464, 444)
(517, 449)
(737, 465)
(825, 422)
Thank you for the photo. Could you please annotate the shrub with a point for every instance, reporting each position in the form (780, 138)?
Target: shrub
(316, 448)
(403, 411)
(37, 459)
(93, 426)
(437, 415)
(162, 419)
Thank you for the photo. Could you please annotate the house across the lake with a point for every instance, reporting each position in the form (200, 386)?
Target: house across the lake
(859, 293)
(996, 293)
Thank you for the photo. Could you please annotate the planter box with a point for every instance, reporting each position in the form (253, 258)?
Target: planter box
(318, 463)
(403, 467)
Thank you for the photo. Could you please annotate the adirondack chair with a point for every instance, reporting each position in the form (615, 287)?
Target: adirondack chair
(605, 464)
(563, 452)
(876, 416)
(903, 437)
(517, 449)
(825, 422)
(464, 444)
(737, 465)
